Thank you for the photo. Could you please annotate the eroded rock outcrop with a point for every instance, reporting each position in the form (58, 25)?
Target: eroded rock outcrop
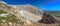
(48, 19)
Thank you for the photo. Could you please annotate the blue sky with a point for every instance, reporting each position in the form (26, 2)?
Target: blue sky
(51, 5)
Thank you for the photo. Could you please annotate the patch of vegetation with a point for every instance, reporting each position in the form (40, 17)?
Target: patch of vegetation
(56, 14)
(11, 18)
(4, 6)
(1, 11)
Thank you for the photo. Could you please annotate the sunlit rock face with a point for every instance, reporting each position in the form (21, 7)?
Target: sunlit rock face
(30, 16)
(30, 13)
(30, 8)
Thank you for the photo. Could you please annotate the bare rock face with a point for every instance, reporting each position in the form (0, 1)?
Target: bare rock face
(48, 19)
(30, 12)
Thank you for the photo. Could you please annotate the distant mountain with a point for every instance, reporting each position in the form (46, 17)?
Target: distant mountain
(52, 11)
(56, 13)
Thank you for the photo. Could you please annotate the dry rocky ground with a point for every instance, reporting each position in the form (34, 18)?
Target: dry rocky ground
(41, 24)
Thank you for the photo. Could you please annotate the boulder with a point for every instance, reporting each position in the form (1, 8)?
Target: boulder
(48, 19)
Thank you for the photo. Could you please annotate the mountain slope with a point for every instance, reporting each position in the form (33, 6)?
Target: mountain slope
(29, 13)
